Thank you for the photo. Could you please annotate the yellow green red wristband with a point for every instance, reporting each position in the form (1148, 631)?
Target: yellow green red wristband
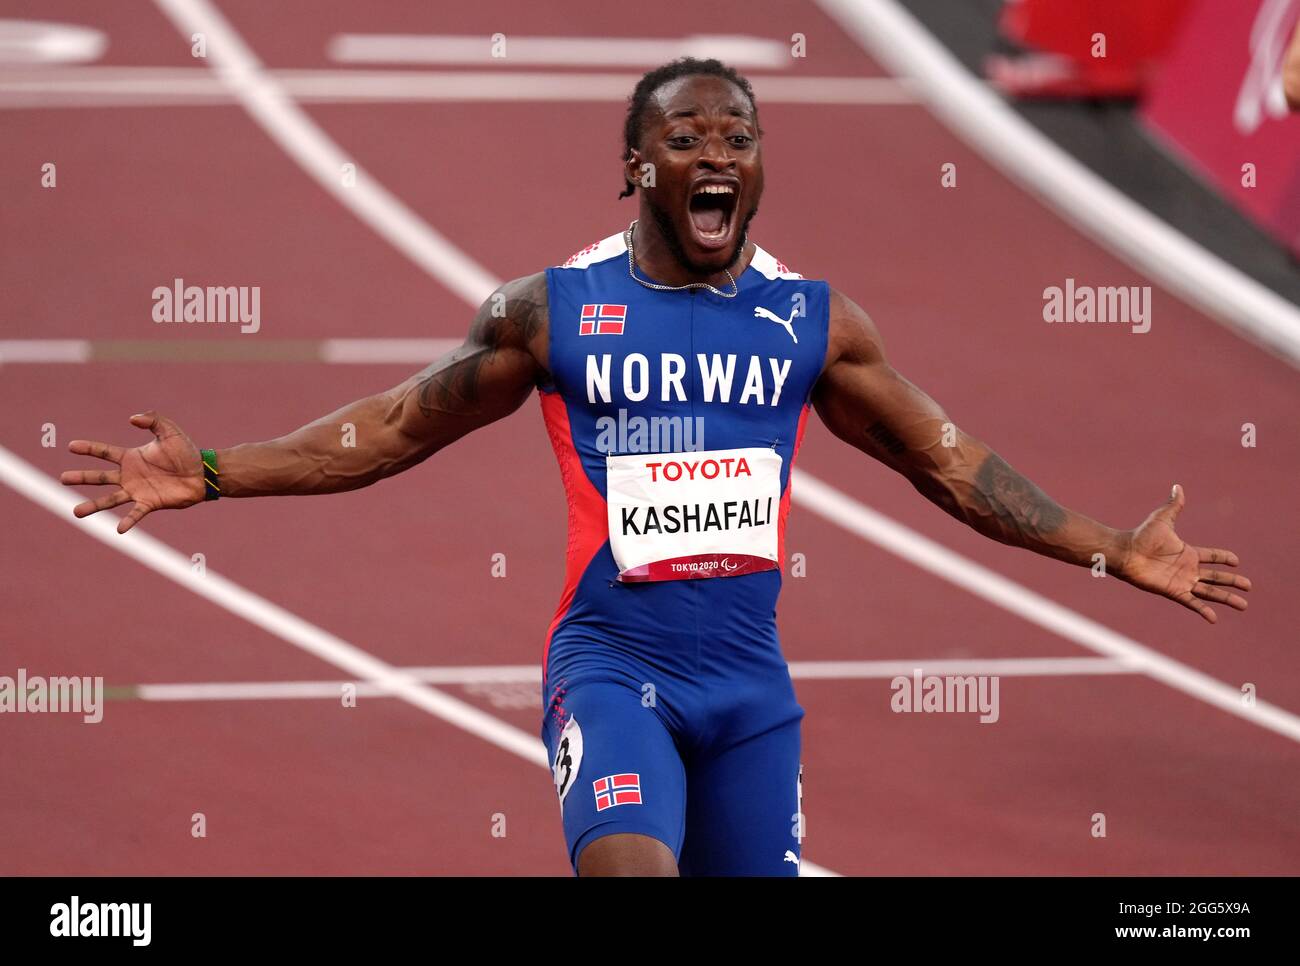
(211, 476)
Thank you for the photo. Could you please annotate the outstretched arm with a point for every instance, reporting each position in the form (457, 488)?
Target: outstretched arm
(481, 381)
(866, 403)
(488, 377)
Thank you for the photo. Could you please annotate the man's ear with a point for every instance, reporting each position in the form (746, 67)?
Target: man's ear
(632, 169)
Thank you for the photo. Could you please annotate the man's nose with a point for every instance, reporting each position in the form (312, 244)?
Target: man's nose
(716, 154)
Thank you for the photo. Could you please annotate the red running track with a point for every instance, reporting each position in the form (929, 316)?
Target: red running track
(954, 278)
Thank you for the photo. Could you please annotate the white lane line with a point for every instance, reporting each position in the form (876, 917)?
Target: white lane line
(810, 870)
(516, 674)
(225, 593)
(254, 691)
(739, 51)
(44, 350)
(194, 86)
(844, 511)
(992, 667)
(479, 674)
(405, 351)
(332, 351)
(517, 86)
(286, 124)
(42, 42)
(1108, 216)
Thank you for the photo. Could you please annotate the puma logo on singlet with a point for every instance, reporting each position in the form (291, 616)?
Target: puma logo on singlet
(787, 324)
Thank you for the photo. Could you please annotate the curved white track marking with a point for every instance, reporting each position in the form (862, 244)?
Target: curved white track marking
(844, 511)
(313, 150)
(173, 565)
(811, 870)
(892, 36)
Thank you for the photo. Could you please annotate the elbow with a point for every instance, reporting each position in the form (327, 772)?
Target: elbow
(939, 491)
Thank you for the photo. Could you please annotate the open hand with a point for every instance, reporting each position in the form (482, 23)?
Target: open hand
(1161, 562)
(164, 474)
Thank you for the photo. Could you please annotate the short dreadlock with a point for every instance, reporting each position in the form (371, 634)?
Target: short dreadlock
(657, 78)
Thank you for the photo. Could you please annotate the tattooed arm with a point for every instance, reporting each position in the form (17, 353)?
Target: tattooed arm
(866, 403)
(483, 380)
(487, 378)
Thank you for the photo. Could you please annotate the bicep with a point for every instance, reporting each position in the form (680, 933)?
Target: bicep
(867, 403)
(876, 409)
(484, 379)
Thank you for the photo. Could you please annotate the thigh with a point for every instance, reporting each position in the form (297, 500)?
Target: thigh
(743, 810)
(616, 768)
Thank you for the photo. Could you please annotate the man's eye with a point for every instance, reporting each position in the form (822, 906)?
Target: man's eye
(681, 140)
(742, 140)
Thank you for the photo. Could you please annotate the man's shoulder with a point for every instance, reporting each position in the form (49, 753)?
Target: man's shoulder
(531, 288)
(851, 330)
(517, 306)
(771, 267)
(609, 247)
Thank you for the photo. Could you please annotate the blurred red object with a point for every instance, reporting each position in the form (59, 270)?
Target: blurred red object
(1085, 48)
(1219, 105)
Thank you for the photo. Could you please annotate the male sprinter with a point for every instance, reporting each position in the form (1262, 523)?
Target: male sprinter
(669, 714)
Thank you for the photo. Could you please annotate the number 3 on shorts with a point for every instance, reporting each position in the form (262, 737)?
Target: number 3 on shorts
(568, 758)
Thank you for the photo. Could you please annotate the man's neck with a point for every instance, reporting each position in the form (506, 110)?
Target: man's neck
(656, 260)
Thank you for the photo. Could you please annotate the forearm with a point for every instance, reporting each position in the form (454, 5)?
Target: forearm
(353, 447)
(979, 488)
(479, 382)
(867, 403)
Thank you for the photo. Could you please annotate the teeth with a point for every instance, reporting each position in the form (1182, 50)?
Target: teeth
(715, 189)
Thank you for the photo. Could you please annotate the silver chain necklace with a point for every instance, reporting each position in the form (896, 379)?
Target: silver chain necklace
(631, 270)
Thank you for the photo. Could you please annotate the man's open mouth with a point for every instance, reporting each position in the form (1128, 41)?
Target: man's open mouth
(711, 208)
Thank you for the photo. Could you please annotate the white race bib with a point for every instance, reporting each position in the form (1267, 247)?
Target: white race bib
(680, 516)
